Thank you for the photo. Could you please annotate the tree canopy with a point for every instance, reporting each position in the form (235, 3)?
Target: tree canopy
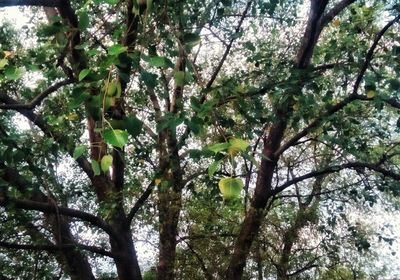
(237, 139)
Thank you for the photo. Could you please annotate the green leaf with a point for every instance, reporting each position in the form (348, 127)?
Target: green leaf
(196, 125)
(370, 94)
(116, 49)
(133, 125)
(83, 74)
(83, 21)
(250, 46)
(213, 167)
(116, 137)
(149, 79)
(119, 89)
(111, 2)
(179, 77)
(3, 63)
(112, 88)
(79, 150)
(230, 187)
(106, 162)
(95, 167)
(216, 148)
(77, 100)
(160, 61)
(191, 39)
(239, 144)
(170, 121)
(14, 73)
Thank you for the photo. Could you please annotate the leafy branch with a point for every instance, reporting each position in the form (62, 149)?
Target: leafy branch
(38, 98)
(336, 168)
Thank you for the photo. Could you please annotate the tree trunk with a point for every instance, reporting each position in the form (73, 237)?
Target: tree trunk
(126, 258)
(169, 207)
(169, 210)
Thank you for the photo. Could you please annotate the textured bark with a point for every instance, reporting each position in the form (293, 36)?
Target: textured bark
(289, 239)
(169, 207)
(255, 214)
(126, 258)
(170, 199)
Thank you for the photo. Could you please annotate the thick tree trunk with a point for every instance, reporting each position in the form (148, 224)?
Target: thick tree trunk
(126, 258)
(169, 210)
(169, 207)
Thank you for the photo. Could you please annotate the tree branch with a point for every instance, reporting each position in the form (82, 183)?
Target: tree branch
(55, 248)
(370, 54)
(142, 199)
(56, 209)
(393, 102)
(311, 35)
(37, 100)
(227, 50)
(47, 130)
(337, 168)
(207, 273)
(337, 9)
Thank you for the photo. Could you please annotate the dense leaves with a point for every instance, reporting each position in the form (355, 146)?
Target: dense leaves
(199, 139)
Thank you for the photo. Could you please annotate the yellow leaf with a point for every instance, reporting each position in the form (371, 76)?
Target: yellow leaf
(232, 151)
(8, 54)
(371, 94)
(336, 23)
(72, 116)
(230, 188)
(157, 181)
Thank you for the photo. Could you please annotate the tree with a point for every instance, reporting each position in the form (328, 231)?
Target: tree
(160, 114)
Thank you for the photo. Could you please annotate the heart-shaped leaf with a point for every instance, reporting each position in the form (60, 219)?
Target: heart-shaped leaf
(106, 162)
(95, 167)
(79, 150)
(133, 125)
(213, 168)
(116, 137)
(239, 144)
(160, 61)
(218, 147)
(230, 187)
(83, 74)
(116, 49)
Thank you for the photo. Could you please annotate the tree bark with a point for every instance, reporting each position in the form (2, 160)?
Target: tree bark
(126, 258)
(169, 207)
(169, 210)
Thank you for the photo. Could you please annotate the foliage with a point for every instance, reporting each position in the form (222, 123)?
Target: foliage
(247, 140)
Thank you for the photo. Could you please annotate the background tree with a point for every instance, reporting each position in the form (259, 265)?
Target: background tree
(230, 129)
